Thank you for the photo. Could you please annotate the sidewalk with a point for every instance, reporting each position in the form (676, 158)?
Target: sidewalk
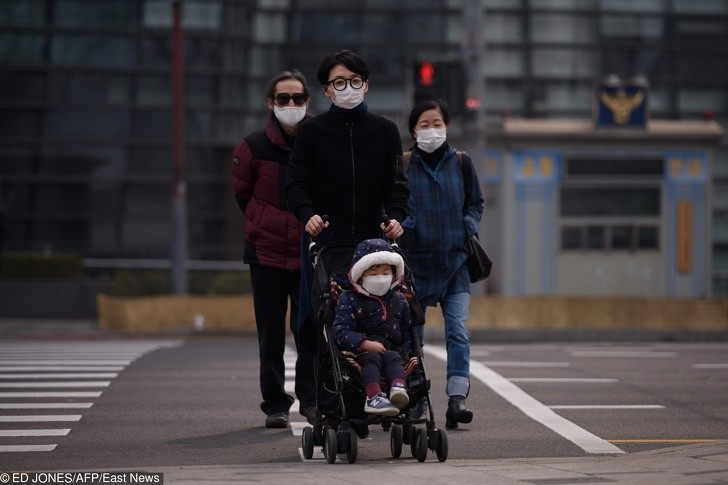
(705, 463)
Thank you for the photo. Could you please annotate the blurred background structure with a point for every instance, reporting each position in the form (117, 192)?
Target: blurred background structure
(576, 206)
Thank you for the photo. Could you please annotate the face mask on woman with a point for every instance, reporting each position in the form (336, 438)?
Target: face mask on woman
(349, 98)
(377, 284)
(430, 139)
(289, 115)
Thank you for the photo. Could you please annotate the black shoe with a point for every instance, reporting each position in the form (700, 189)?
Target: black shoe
(456, 412)
(277, 420)
(361, 430)
(419, 411)
(308, 412)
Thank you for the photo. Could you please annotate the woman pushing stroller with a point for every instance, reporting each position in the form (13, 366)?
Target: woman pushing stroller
(372, 323)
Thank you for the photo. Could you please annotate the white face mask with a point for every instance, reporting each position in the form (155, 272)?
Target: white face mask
(430, 139)
(378, 284)
(289, 115)
(349, 98)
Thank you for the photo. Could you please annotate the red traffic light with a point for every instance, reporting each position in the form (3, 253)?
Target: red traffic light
(427, 74)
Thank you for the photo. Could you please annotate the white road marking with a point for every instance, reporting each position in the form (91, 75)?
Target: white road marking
(620, 353)
(290, 373)
(318, 454)
(605, 406)
(51, 394)
(710, 366)
(60, 368)
(525, 364)
(531, 407)
(290, 387)
(563, 379)
(25, 448)
(61, 375)
(33, 418)
(46, 405)
(33, 432)
(43, 385)
(297, 427)
(63, 362)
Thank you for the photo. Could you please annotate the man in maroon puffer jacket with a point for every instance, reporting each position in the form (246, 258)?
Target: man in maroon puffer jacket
(273, 239)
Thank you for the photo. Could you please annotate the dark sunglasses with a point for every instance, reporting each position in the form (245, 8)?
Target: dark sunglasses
(299, 99)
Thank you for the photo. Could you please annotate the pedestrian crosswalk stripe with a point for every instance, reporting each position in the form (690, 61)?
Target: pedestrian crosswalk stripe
(60, 368)
(33, 432)
(38, 418)
(61, 375)
(46, 405)
(51, 394)
(24, 385)
(26, 448)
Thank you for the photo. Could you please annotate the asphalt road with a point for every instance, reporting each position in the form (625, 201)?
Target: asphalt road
(195, 401)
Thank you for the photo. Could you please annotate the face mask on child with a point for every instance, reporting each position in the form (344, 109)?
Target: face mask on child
(430, 139)
(377, 284)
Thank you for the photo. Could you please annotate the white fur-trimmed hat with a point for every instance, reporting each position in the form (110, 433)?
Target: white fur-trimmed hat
(374, 251)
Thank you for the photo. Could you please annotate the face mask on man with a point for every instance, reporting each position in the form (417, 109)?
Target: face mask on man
(289, 115)
(377, 284)
(348, 98)
(430, 139)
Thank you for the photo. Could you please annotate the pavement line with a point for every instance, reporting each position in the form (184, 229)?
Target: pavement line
(620, 353)
(61, 375)
(318, 454)
(531, 407)
(608, 406)
(25, 448)
(710, 366)
(40, 418)
(525, 364)
(297, 427)
(63, 362)
(289, 386)
(563, 379)
(33, 432)
(16, 385)
(50, 394)
(46, 405)
(59, 368)
(709, 440)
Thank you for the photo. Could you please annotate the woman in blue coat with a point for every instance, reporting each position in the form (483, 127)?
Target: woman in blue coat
(438, 224)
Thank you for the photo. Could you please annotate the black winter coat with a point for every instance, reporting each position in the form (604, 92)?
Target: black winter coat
(350, 171)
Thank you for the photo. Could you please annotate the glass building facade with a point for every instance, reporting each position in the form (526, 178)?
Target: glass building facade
(86, 95)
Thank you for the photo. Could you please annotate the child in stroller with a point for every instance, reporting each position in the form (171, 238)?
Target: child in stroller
(372, 325)
(350, 399)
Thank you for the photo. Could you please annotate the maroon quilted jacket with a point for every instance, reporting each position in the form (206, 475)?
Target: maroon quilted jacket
(272, 232)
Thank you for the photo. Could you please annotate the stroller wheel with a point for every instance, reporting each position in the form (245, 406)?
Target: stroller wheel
(307, 442)
(395, 441)
(419, 445)
(330, 445)
(442, 448)
(353, 450)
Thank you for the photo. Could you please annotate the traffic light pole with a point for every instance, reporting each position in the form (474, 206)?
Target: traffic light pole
(178, 273)
(474, 125)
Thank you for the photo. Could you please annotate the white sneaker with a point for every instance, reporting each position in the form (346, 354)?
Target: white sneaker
(380, 405)
(398, 396)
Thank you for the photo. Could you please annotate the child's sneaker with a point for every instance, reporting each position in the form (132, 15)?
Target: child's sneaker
(380, 405)
(398, 396)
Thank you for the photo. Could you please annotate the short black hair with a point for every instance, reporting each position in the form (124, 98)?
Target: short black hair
(423, 106)
(295, 74)
(349, 59)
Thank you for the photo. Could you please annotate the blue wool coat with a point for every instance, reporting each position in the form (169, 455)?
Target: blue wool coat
(436, 230)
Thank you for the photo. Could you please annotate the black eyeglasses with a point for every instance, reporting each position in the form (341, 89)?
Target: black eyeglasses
(340, 83)
(299, 99)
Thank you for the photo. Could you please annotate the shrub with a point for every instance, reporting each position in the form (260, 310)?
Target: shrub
(16, 265)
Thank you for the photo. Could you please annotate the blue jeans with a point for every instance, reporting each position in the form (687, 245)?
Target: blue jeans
(455, 311)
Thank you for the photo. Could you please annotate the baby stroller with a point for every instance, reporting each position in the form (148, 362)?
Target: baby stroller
(340, 419)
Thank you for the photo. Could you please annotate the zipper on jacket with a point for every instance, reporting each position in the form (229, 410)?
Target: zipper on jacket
(353, 177)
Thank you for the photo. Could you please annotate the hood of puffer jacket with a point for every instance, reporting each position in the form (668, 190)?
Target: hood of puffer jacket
(370, 252)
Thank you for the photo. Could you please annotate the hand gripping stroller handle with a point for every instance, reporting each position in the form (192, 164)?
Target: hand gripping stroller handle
(385, 220)
(313, 247)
